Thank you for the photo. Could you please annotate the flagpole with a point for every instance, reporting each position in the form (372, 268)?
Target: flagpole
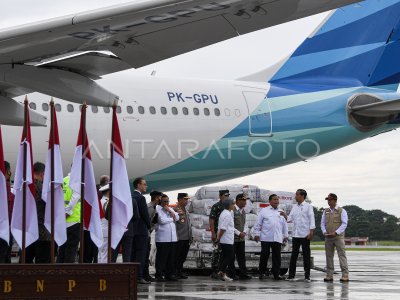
(24, 185)
(52, 185)
(83, 137)
(110, 200)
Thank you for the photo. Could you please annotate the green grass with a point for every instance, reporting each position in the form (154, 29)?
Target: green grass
(358, 249)
(388, 243)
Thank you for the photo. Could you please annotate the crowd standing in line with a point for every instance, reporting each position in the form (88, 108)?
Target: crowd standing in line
(173, 233)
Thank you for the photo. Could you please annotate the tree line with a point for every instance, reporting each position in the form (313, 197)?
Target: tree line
(375, 224)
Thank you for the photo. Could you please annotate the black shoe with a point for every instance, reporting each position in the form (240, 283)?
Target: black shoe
(160, 278)
(171, 278)
(143, 281)
(150, 278)
(234, 277)
(215, 275)
(278, 278)
(245, 277)
(263, 276)
(182, 276)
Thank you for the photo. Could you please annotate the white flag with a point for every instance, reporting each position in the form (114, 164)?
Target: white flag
(60, 230)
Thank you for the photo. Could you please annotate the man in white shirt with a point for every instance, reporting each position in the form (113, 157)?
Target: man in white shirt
(166, 240)
(333, 225)
(302, 217)
(271, 229)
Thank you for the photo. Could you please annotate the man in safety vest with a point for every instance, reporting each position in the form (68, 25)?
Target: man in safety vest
(68, 251)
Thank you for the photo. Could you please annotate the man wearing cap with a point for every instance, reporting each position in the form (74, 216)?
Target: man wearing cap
(184, 234)
(302, 217)
(155, 197)
(216, 211)
(271, 228)
(333, 225)
(239, 219)
(103, 250)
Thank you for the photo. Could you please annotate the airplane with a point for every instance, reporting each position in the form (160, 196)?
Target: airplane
(337, 88)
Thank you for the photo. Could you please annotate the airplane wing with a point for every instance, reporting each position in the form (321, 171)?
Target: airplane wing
(137, 33)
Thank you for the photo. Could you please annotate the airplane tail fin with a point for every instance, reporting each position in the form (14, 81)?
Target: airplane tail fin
(358, 45)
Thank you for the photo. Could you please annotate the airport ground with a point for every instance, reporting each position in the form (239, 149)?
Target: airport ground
(374, 275)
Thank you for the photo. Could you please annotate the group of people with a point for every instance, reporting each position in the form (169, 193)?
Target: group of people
(228, 229)
(173, 234)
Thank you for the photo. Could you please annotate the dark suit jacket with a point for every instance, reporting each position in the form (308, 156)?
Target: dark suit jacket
(141, 219)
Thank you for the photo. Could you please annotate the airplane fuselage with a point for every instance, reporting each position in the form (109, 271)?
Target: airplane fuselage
(186, 132)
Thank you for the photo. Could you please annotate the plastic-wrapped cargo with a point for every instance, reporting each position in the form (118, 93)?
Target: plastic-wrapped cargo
(201, 235)
(199, 221)
(257, 206)
(212, 192)
(203, 206)
(249, 207)
(251, 220)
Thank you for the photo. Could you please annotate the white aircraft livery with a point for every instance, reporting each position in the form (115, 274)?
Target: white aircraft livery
(339, 86)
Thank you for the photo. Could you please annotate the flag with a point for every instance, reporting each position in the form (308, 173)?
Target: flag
(91, 200)
(60, 230)
(32, 231)
(4, 225)
(121, 194)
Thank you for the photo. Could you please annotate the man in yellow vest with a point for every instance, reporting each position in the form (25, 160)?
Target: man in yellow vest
(333, 224)
(67, 252)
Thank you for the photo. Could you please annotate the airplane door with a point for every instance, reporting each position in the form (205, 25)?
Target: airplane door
(260, 117)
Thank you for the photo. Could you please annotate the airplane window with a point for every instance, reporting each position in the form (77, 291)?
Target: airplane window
(106, 109)
(196, 111)
(227, 112)
(152, 110)
(32, 106)
(217, 112)
(45, 106)
(185, 111)
(141, 110)
(119, 110)
(57, 107)
(206, 111)
(174, 111)
(163, 110)
(237, 112)
(95, 109)
(129, 109)
(70, 108)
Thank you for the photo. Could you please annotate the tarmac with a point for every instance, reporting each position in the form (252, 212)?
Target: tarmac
(373, 275)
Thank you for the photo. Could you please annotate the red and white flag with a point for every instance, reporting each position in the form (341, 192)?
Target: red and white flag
(60, 230)
(4, 225)
(32, 231)
(91, 200)
(122, 211)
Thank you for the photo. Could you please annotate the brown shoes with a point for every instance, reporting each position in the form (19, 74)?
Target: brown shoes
(344, 279)
(328, 279)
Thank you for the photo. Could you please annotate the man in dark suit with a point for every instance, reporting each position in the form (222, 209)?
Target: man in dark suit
(141, 226)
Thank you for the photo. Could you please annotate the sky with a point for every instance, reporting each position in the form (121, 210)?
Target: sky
(363, 174)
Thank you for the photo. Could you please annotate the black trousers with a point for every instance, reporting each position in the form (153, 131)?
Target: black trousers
(165, 258)
(38, 252)
(182, 250)
(90, 250)
(139, 248)
(3, 251)
(126, 244)
(276, 257)
(146, 271)
(227, 259)
(67, 252)
(305, 246)
(240, 254)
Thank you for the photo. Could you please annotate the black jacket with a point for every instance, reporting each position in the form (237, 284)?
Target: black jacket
(141, 219)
